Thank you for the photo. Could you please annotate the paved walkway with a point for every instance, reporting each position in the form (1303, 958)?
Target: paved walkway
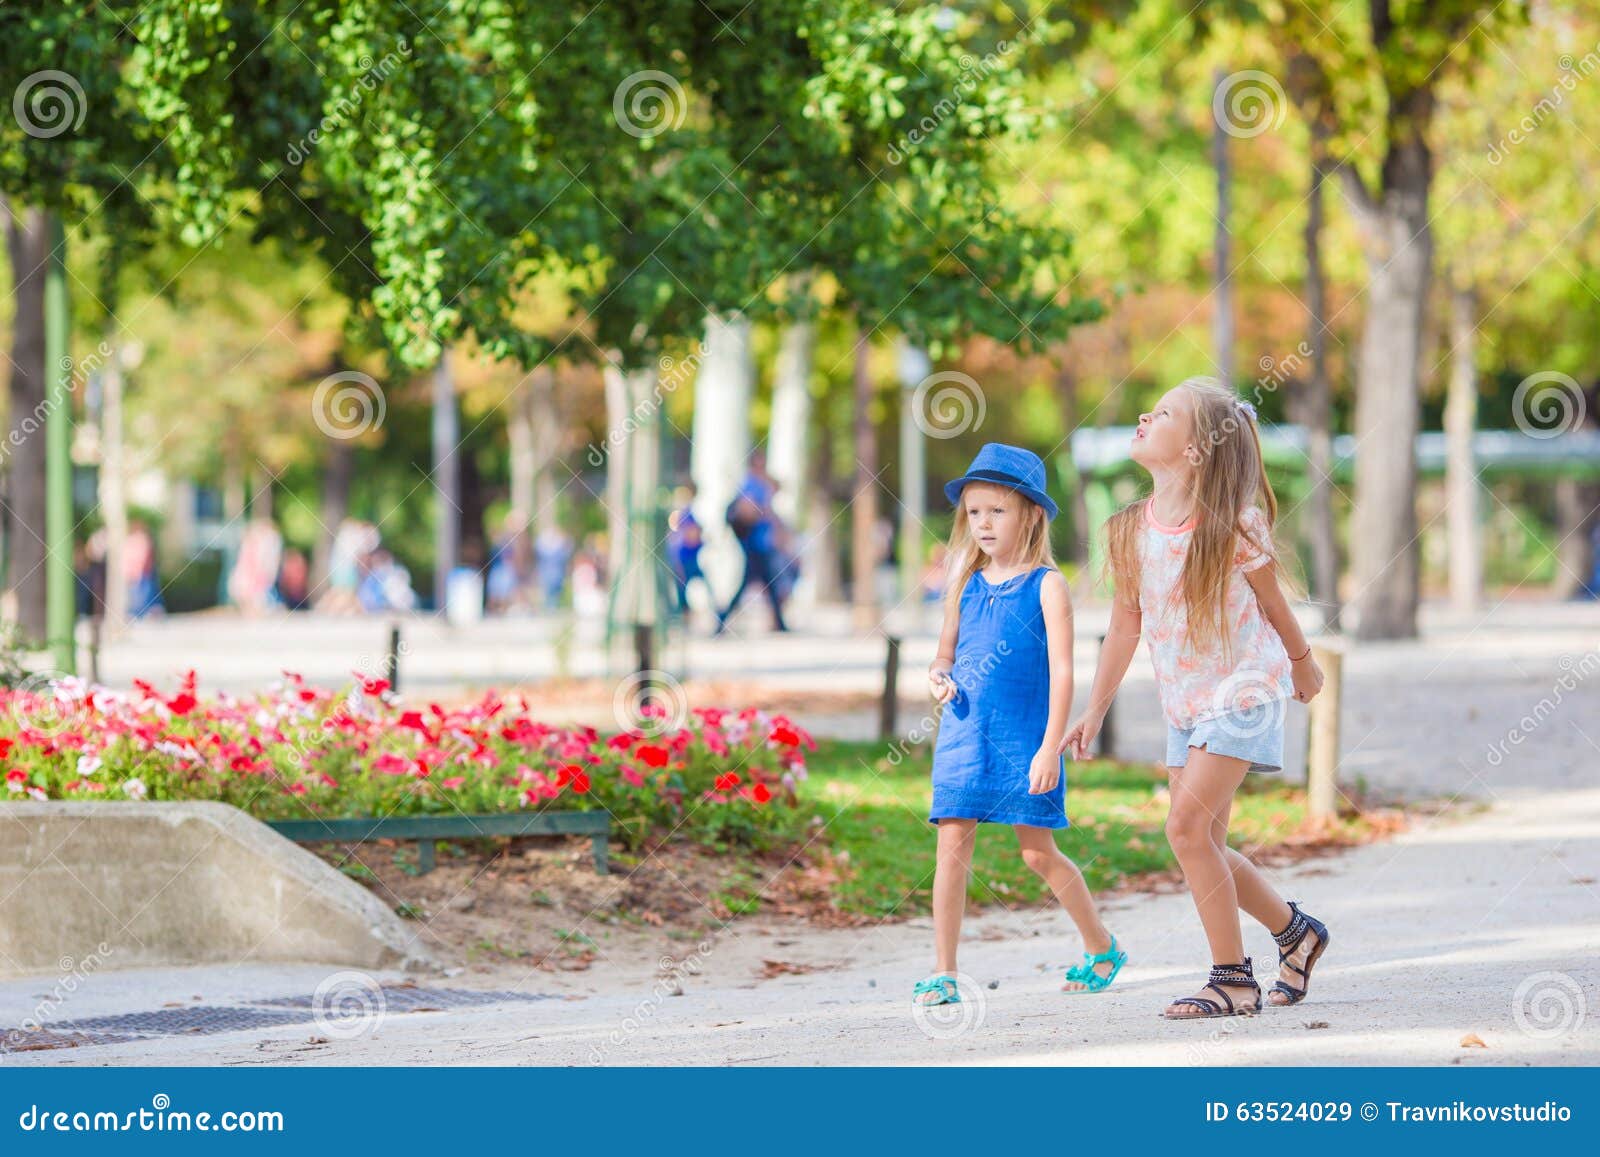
(1482, 926)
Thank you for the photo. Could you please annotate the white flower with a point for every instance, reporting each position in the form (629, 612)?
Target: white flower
(88, 764)
(37, 793)
(134, 788)
(178, 751)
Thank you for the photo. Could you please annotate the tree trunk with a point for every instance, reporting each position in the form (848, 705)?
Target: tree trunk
(1067, 393)
(787, 440)
(827, 579)
(474, 542)
(633, 481)
(914, 368)
(446, 478)
(1461, 468)
(1576, 499)
(720, 450)
(28, 242)
(338, 471)
(1320, 527)
(1398, 247)
(520, 439)
(1222, 294)
(545, 423)
(261, 493)
(864, 495)
(113, 491)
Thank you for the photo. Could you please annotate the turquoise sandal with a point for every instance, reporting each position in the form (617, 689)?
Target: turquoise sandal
(1091, 980)
(942, 986)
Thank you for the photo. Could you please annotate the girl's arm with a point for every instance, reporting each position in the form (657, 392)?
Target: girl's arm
(1304, 670)
(1122, 641)
(940, 685)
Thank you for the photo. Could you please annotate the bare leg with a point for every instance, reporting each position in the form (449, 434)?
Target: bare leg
(952, 864)
(1263, 902)
(1040, 853)
(1202, 795)
(1256, 896)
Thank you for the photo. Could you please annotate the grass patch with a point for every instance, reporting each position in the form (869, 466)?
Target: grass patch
(875, 809)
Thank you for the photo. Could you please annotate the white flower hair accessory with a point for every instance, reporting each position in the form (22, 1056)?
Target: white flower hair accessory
(1246, 407)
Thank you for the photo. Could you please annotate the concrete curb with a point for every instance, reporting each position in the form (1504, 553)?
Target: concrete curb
(133, 884)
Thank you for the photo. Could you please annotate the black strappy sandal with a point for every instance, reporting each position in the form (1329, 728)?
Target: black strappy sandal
(1235, 975)
(1289, 941)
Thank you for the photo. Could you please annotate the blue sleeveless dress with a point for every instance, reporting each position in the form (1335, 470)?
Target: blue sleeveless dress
(993, 726)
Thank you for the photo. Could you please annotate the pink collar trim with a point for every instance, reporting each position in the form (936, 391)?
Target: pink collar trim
(1150, 517)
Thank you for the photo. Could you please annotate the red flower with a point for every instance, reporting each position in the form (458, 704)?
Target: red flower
(390, 764)
(580, 782)
(652, 755)
(786, 735)
(412, 720)
(182, 703)
(374, 687)
(761, 793)
(5, 748)
(727, 782)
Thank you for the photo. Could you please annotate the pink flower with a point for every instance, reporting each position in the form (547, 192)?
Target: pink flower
(454, 781)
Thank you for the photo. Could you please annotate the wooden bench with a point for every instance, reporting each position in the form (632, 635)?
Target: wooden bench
(426, 830)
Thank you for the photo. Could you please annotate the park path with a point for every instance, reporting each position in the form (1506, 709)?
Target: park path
(1482, 924)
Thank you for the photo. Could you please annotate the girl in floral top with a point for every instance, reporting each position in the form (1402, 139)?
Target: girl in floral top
(1195, 569)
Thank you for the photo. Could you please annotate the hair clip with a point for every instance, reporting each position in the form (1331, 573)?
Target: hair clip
(1246, 407)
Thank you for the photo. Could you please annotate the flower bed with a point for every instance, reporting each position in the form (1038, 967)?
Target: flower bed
(299, 752)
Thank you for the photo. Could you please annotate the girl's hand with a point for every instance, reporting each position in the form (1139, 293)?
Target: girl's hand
(940, 685)
(1045, 771)
(1079, 737)
(1307, 678)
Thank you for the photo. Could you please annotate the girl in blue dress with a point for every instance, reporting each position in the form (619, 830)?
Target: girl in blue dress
(1004, 675)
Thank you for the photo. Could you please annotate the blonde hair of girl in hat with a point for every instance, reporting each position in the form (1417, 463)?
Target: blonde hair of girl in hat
(1195, 565)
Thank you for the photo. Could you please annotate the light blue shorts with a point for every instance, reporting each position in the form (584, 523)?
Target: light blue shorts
(1253, 733)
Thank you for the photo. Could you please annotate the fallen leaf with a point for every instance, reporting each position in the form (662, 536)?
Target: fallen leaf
(1473, 1041)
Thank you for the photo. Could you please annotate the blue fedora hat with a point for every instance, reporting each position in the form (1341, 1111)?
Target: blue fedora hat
(1010, 466)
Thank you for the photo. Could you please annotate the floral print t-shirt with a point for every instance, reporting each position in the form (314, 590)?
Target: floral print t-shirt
(1197, 685)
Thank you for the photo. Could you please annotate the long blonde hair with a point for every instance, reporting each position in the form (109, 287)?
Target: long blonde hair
(967, 558)
(1230, 476)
